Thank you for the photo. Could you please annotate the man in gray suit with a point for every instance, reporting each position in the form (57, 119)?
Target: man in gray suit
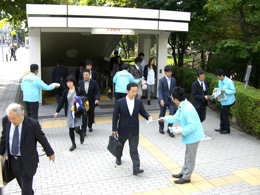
(137, 72)
(166, 85)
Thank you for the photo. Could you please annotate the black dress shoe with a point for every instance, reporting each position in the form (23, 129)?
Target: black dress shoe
(149, 102)
(218, 130)
(73, 147)
(224, 132)
(137, 171)
(170, 134)
(161, 131)
(118, 161)
(84, 134)
(90, 129)
(81, 139)
(181, 181)
(177, 175)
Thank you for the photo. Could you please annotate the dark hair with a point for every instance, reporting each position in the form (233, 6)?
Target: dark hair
(150, 60)
(126, 66)
(88, 62)
(59, 62)
(168, 68)
(81, 64)
(141, 54)
(130, 85)
(219, 72)
(138, 59)
(115, 52)
(178, 93)
(72, 79)
(200, 72)
(86, 70)
(34, 67)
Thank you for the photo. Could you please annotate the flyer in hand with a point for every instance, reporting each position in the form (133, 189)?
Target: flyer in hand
(218, 95)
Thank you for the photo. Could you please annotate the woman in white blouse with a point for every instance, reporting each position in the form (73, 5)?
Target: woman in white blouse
(149, 76)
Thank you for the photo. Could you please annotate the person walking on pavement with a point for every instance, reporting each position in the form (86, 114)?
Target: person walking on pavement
(126, 124)
(19, 138)
(93, 73)
(31, 86)
(67, 99)
(59, 75)
(227, 87)
(137, 72)
(199, 95)
(121, 80)
(150, 76)
(166, 85)
(13, 54)
(191, 131)
(90, 89)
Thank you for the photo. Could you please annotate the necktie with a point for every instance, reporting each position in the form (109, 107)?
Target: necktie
(15, 143)
(201, 84)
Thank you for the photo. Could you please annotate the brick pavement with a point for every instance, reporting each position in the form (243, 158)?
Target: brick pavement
(227, 164)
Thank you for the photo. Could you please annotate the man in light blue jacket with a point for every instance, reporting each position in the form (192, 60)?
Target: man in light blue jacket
(122, 79)
(191, 131)
(31, 87)
(227, 87)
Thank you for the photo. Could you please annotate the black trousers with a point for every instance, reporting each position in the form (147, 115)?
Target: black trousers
(133, 144)
(32, 109)
(163, 111)
(202, 112)
(120, 95)
(88, 119)
(224, 117)
(23, 180)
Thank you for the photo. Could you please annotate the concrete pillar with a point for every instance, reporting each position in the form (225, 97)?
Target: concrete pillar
(35, 49)
(144, 45)
(161, 54)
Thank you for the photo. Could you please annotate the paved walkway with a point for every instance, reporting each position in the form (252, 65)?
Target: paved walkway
(226, 164)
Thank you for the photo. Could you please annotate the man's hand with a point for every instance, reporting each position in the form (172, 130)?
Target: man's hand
(214, 90)
(57, 86)
(140, 80)
(177, 132)
(223, 90)
(161, 119)
(150, 118)
(52, 158)
(162, 103)
(96, 102)
(114, 132)
(206, 97)
(55, 115)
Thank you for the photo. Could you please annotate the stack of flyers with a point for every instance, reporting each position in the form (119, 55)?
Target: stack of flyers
(174, 129)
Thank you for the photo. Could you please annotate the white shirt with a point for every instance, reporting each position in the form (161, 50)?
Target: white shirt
(87, 86)
(11, 134)
(137, 67)
(143, 64)
(130, 105)
(168, 81)
(203, 84)
(150, 76)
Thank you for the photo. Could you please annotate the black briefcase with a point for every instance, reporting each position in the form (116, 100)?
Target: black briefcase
(7, 174)
(114, 145)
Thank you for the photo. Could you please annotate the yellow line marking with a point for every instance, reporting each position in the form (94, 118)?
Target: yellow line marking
(104, 98)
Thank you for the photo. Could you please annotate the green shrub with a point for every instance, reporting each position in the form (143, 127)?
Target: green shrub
(246, 108)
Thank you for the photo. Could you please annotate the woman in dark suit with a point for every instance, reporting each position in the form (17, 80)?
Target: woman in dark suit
(67, 98)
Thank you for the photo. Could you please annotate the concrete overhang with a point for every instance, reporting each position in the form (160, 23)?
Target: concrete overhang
(93, 17)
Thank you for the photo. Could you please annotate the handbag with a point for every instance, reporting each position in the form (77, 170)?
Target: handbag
(7, 174)
(114, 145)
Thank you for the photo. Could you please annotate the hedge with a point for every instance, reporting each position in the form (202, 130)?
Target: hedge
(247, 106)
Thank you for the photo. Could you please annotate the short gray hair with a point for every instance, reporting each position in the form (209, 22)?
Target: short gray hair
(14, 107)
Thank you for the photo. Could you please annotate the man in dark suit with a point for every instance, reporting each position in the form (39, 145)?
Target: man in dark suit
(199, 94)
(166, 85)
(127, 110)
(19, 138)
(90, 89)
(59, 75)
(79, 72)
(93, 73)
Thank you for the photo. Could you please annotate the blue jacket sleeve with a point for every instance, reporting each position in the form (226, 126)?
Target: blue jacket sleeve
(115, 78)
(132, 79)
(173, 118)
(231, 88)
(43, 86)
(190, 124)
